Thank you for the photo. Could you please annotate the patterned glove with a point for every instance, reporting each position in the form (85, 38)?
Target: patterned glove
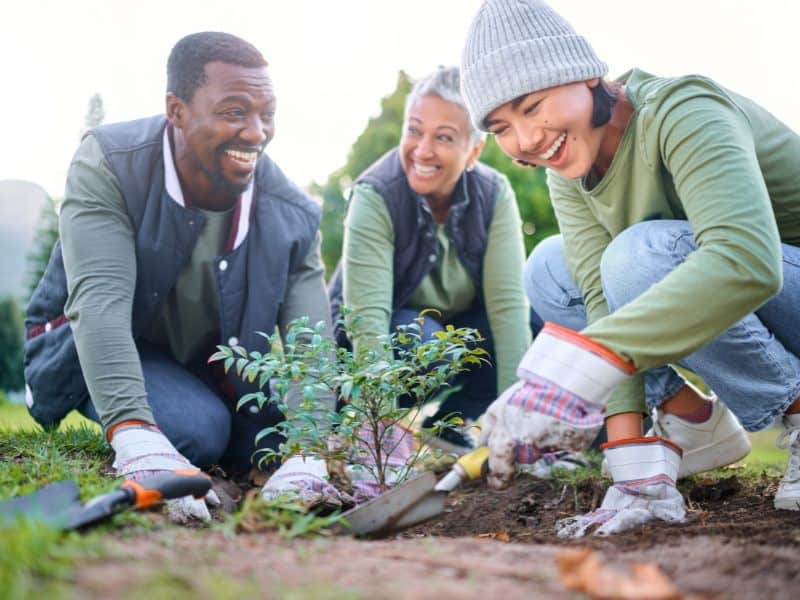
(558, 403)
(141, 450)
(305, 478)
(396, 448)
(644, 472)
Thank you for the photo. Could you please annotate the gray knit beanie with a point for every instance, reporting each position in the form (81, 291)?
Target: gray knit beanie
(515, 47)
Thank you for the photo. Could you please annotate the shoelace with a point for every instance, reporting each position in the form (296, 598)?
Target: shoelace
(788, 438)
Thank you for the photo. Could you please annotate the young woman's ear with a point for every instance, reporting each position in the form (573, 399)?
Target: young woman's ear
(593, 83)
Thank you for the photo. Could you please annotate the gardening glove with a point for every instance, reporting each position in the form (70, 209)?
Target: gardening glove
(305, 478)
(565, 382)
(396, 448)
(141, 450)
(644, 471)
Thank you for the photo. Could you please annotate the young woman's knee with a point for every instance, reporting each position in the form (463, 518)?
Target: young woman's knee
(642, 255)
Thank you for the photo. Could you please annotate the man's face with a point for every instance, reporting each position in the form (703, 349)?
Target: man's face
(224, 127)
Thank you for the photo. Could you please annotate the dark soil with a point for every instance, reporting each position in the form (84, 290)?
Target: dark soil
(527, 512)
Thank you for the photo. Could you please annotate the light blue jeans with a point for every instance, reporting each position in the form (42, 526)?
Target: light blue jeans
(753, 367)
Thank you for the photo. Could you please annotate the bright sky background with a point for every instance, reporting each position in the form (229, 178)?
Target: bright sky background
(332, 61)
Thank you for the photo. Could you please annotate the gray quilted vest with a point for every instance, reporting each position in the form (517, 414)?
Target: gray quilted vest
(416, 247)
(283, 225)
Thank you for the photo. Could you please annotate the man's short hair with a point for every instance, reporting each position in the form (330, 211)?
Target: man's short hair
(189, 57)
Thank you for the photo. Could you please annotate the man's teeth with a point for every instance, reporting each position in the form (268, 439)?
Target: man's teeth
(554, 148)
(425, 170)
(242, 156)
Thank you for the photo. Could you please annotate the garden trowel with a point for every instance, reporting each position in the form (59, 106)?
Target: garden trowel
(412, 502)
(59, 505)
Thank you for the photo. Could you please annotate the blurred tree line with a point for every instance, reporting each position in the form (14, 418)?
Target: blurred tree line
(12, 319)
(382, 134)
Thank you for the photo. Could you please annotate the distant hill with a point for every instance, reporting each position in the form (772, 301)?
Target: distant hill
(20, 205)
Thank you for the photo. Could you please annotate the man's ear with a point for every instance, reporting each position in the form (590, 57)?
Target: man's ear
(176, 109)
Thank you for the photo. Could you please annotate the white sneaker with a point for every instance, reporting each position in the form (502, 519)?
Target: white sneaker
(788, 495)
(717, 442)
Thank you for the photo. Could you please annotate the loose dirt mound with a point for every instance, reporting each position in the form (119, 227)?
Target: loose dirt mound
(527, 512)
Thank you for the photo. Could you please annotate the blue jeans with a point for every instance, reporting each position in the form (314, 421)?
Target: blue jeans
(199, 421)
(753, 367)
(478, 384)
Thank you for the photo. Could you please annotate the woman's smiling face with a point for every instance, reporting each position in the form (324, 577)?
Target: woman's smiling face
(550, 128)
(435, 147)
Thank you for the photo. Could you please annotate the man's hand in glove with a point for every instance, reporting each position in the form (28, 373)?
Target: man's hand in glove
(644, 472)
(305, 478)
(565, 381)
(141, 450)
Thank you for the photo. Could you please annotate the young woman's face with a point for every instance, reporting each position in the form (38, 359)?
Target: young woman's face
(435, 147)
(550, 128)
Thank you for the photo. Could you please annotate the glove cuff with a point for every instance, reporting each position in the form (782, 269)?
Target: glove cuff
(142, 448)
(575, 363)
(643, 458)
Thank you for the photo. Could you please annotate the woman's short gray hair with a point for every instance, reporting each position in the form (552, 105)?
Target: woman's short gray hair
(445, 83)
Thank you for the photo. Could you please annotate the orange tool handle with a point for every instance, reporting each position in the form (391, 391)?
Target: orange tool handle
(165, 486)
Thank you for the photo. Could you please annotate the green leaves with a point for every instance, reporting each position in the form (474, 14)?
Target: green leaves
(307, 365)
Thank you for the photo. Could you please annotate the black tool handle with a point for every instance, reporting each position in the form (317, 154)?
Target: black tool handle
(171, 484)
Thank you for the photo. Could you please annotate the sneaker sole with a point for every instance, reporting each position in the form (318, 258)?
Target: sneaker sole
(734, 447)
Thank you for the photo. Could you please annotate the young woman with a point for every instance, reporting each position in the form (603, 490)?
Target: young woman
(428, 226)
(678, 205)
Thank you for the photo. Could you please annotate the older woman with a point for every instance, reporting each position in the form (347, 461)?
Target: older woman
(428, 226)
(677, 201)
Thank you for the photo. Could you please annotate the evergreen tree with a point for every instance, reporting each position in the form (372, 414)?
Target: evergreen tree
(11, 334)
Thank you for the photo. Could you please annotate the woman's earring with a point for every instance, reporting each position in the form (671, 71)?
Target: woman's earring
(471, 168)
(524, 163)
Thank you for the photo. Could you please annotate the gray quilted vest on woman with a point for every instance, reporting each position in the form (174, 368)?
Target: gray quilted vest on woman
(416, 247)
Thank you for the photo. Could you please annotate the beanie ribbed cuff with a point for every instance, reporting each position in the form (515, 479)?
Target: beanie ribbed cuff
(516, 47)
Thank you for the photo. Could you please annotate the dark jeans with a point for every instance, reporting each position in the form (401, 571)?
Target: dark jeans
(199, 421)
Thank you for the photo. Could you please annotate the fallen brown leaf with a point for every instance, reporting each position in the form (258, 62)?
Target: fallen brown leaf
(581, 570)
(500, 536)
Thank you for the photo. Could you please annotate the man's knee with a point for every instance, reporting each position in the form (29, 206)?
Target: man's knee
(642, 255)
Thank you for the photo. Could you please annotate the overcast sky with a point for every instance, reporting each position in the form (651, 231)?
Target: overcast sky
(332, 60)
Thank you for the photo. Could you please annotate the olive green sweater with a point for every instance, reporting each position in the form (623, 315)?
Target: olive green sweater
(369, 278)
(692, 150)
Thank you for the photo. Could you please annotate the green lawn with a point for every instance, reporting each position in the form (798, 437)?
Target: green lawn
(15, 416)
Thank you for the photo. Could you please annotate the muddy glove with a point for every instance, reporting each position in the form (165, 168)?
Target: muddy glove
(141, 450)
(395, 449)
(565, 381)
(305, 478)
(644, 471)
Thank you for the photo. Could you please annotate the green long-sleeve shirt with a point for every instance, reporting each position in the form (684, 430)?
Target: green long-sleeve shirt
(696, 151)
(99, 252)
(368, 276)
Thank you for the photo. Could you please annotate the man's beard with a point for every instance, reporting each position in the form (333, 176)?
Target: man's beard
(221, 183)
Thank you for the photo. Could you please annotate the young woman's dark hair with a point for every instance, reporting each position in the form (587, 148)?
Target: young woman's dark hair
(604, 97)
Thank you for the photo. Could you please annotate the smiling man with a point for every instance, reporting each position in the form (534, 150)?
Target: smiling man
(177, 234)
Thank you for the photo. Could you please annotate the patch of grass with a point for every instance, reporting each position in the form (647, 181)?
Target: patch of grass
(30, 459)
(285, 516)
(16, 416)
(37, 561)
(765, 453)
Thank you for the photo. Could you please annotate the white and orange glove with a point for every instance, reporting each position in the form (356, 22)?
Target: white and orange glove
(558, 403)
(305, 478)
(644, 471)
(141, 450)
